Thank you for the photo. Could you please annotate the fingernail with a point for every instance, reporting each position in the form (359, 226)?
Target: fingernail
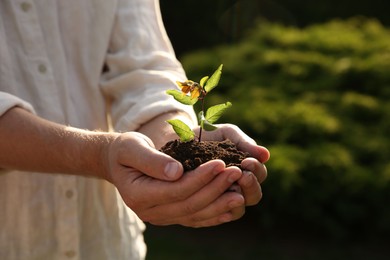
(234, 204)
(249, 180)
(232, 178)
(171, 170)
(217, 169)
(251, 167)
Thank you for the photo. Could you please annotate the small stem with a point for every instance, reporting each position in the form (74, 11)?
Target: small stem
(203, 94)
(200, 128)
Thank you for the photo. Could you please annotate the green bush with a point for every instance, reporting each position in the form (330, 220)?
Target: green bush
(318, 98)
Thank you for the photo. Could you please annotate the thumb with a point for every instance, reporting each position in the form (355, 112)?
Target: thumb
(138, 152)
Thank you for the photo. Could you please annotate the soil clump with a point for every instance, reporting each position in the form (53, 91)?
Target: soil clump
(193, 153)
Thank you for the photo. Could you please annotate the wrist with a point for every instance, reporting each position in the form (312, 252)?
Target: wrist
(93, 151)
(104, 166)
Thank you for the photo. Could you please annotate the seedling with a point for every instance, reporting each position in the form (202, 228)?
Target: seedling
(189, 94)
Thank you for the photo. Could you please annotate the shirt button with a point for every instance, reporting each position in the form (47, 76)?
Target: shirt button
(25, 6)
(42, 68)
(70, 253)
(69, 194)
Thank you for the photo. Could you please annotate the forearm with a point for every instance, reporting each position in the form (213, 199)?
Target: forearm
(30, 143)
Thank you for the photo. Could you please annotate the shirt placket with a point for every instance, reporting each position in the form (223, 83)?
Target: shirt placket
(65, 193)
(68, 222)
(40, 69)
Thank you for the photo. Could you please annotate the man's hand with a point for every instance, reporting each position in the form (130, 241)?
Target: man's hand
(152, 185)
(255, 171)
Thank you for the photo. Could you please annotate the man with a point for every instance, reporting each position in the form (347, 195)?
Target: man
(67, 192)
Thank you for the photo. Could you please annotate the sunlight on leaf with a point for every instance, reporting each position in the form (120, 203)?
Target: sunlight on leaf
(204, 123)
(181, 97)
(215, 112)
(213, 81)
(182, 130)
(203, 80)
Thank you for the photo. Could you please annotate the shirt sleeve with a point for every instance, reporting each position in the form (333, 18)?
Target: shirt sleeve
(8, 101)
(141, 66)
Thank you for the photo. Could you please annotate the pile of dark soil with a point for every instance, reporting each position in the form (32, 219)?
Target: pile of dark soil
(192, 154)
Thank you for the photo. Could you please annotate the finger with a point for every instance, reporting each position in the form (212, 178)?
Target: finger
(228, 207)
(242, 141)
(215, 189)
(233, 214)
(149, 192)
(250, 188)
(137, 151)
(253, 175)
(259, 152)
(245, 143)
(235, 188)
(198, 201)
(235, 209)
(228, 131)
(257, 168)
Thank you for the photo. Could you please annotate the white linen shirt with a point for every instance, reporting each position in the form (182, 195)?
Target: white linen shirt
(52, 55)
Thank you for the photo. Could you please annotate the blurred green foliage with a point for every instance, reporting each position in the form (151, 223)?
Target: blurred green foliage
(194, 24)
(318, 98)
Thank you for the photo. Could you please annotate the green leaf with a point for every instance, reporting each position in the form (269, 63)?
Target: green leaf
(182, 130)
(205, 124)
(200, 116)
(213, 81)
(203, 81)
(215, 112)
(181, 97)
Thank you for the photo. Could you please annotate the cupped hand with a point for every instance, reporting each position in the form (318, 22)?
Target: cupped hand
(254, 170)
(152, 184)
